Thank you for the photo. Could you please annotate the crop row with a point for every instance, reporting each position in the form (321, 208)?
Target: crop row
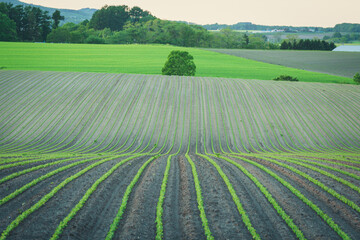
(95, 113)
(96, 118)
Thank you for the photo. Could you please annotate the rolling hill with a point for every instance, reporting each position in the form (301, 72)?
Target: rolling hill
(125, 156)
(75, 16)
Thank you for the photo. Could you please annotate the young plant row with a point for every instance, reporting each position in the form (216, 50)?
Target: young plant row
(39, 179)
(270, 198)
(52, 112)
(159, 206)
(316, 182)
(125, 199)
(329, 167)
(83, 200)
(240, 116)
(297, 193)
(235, 198)
(47, 197)
(341, 180)
(199, 199)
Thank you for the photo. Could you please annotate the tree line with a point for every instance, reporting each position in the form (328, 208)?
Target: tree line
(307, 44)
(347, 27)
(338, 37)
(26, 23)
(124, 25)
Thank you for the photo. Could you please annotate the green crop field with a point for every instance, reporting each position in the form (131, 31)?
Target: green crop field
(344, 64)
(141, 59)
(130, 156)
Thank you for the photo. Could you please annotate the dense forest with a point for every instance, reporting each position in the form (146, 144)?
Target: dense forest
(120, 25)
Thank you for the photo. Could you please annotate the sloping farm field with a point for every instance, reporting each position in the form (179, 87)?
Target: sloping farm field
(121, 156)
(344, 64)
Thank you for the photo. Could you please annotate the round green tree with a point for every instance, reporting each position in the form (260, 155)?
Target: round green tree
(179, 63)
(357, 78)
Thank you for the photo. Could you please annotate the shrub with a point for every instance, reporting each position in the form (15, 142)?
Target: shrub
(357, 78)
(94, 40)
(286, 78)
(179, 63)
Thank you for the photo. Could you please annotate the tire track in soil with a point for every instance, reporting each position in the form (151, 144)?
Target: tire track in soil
(94, 219)
(343, 215)
(10, 210)
(138, 221)
(224, 219)
(42, 223)
(312, 225)
(263, 216)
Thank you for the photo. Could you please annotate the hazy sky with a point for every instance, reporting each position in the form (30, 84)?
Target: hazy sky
(324, 13)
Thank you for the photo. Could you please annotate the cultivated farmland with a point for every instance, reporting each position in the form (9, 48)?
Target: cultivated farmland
(125, 156)
(336, 63)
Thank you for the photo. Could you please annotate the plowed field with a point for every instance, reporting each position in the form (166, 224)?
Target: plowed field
(121, 156)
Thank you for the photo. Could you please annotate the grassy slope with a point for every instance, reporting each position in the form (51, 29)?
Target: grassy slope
(144, 59)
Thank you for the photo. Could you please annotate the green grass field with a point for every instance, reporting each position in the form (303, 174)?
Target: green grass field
(141, 59)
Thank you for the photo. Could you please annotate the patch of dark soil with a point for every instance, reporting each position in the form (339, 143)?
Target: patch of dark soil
(10, 210)
(343, 168)
(8, 171)
(224, 219)
(337, 186)
(42, 223)
(314, 159)
(138, 221)
(341, 213)
(10, 186)
(312, 226)
(94, 219)
(171, 209)
(186, 207)
(263, 216)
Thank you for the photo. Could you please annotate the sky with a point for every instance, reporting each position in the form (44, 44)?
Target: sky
(320, 13)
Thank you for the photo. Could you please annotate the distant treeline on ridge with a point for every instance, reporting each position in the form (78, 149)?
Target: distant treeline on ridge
(307, 44)
(124, 25)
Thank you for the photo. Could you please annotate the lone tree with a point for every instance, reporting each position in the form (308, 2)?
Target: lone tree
(357, 78)
(179, 63)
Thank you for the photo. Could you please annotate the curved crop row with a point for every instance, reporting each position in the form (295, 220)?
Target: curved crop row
(45, 198)
(298, 194)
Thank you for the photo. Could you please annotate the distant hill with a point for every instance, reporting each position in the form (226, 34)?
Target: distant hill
(75, 16)
(251, 26)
